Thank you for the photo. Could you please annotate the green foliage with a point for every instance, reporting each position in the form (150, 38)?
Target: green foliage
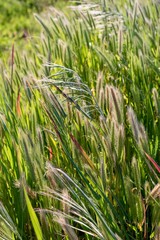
(16, 18)
(15, 24)
(80, 126)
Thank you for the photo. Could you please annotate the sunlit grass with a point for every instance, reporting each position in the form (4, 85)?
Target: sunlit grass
(80, 126)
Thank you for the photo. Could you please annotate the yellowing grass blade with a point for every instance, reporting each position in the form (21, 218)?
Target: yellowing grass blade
(33, 217)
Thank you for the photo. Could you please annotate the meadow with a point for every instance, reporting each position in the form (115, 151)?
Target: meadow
(80, 124)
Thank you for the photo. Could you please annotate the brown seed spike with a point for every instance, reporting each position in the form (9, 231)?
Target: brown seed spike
(18, 107)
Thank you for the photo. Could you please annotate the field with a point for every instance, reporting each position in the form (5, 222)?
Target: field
(80, 121)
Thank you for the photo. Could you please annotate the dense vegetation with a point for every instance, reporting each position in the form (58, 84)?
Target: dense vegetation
(80, 126)
(16, 21)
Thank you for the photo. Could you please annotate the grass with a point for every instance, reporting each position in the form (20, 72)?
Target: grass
(16, 22)
(79, 126)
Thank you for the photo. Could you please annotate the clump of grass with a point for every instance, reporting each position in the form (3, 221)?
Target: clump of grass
(79, 127)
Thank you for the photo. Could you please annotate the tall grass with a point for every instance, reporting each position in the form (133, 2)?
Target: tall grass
(80, 126)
